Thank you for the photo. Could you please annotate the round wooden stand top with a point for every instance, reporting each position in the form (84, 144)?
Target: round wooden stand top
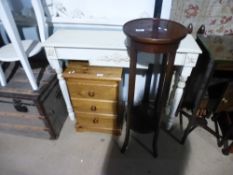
(154, 31)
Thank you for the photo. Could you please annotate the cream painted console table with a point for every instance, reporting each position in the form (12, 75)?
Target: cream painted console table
(107, 48)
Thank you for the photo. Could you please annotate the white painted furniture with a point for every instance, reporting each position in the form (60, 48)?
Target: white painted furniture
(186, 58)
(20, 50)
(107, 48)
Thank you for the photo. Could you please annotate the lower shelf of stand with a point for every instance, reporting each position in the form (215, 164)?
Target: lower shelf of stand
(143, 118)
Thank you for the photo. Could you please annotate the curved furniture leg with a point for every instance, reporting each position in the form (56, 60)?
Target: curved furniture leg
(131, 88)
(64, 89)
(187, 131)
(127, 136)
(163, 91)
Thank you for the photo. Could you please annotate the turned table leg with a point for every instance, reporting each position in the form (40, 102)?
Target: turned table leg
(179, 86)
(55, 64)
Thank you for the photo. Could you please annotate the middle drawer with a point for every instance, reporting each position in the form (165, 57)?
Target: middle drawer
(98, 106)
(106, 90)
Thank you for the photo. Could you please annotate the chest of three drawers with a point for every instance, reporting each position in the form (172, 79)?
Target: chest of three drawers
(95, 96)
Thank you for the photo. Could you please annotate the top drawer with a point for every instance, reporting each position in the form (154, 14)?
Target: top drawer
(107, 90)
(82, 70)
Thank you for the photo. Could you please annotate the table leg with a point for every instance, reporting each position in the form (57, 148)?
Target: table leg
(62, 83)
(55, 64)
(131, 88)
(163, 91)
(2, 77)
(175, 100)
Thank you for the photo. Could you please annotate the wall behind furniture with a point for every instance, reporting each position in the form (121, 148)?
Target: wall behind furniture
(109, 12)
(216, 15)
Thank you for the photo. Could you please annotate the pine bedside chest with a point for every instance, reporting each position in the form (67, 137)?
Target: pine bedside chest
(94, 93)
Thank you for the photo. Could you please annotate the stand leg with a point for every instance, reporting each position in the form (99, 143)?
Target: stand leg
(163, 91)
(131, 88)
(148, 83)
(127, 136)
(225, 149)
(155, 140)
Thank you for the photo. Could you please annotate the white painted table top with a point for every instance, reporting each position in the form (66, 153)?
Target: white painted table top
(93, 39)
(103, 39)
(107, 47)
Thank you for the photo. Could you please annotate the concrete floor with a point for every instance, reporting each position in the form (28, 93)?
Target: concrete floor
(98, 154)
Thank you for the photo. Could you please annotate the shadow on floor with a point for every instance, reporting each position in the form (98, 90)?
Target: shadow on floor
(138, 159)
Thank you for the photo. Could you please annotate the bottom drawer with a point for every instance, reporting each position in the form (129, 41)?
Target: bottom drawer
(98, 122)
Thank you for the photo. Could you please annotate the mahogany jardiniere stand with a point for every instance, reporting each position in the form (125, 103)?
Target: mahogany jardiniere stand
(158, 36)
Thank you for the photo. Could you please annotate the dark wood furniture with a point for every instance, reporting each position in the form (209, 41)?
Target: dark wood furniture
(223, 116)
(224, 122)
(1, 41)
(156, 36)
(39, 114)
(95, 96)
(208, 88)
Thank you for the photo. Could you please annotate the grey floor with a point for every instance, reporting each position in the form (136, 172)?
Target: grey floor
(98, 154)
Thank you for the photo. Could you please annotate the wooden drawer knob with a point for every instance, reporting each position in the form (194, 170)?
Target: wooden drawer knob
(91, 93)
(95, 120)
(19, 106)
(71, 72)
(93, 108)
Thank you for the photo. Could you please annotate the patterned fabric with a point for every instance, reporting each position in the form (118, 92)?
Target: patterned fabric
(220, 47)
(216, 15)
